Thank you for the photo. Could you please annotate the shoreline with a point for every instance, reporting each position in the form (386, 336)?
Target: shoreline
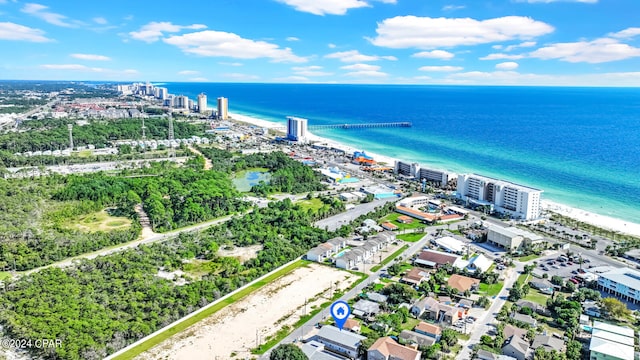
(601, 221)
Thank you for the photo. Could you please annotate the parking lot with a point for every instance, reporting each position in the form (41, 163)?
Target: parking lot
(552, 266)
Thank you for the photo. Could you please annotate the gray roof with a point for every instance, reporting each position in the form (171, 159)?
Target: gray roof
(518, 343)
(337, 241)
(524, 318)
(530, 304)
(374, 296)
(367, 306)
(416, 338)
(624, 276)
(314, 351)
(548, 342)
(335, 335)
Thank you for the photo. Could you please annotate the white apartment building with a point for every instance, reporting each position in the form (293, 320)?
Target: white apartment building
(419, 173)
(296, 128)
(202, 103)
(521, 202)
(623, 283)
(223, 108)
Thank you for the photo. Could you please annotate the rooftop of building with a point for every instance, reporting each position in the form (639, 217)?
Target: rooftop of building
(625, 276)
(620, 330)
(614, 350)
(337, 336)
(388, 347)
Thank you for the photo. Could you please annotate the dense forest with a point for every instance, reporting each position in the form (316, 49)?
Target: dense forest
(106, 303)
(53, 134)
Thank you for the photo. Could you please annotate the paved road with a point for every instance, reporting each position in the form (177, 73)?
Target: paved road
(485, 323)
(334, 222)
(319, 317)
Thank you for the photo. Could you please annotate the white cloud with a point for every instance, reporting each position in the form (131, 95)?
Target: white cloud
(91, 57)
(199, 79)
(440, 68)
(367, 74)
(361, 67)
(292, 38)
(453, 7)
(331, 46)
(626, 33)
(310, 71)
(111, 73)
(356, 56)
(240, 76)
(499, 56)
(497, 47)
(223, 44)
(426, 33)
(40, 12)
(12, 31)
(153, 31)
(323, 7)
(596, 51)
(188, 72)
(388, 1)
(434, 54)
(509, 65)
(100, 20)
(521, 45)
(70, 67)
(230, 63)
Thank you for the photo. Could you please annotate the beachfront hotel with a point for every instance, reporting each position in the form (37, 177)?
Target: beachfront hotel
(520, 202)
(414, 170)
(223, 108)
(623, 283)
(296, 128)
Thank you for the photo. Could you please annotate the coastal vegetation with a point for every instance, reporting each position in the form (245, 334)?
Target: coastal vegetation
(104, 304)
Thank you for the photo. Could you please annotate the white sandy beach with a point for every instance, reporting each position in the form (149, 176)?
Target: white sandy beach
(602, 221)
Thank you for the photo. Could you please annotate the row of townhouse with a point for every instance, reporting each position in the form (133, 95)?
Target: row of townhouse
(326, 250)
(365, 253)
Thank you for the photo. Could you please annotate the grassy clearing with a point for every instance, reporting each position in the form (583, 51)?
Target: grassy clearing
(139, 349)
(528, 257)
(4, 275)
(490, 290)
(522, 279)
(411, 237)
(313, 204)
(389, 258)
(393, 218)
(410, 324)
(98, 221)
(537, 297)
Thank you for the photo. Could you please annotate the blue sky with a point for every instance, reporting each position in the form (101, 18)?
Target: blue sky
(522, 42)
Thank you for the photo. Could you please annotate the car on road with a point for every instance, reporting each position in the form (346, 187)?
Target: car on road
(569, 263)
(574, 271)
(563, 264)
(555, 266)
(545, 268)
(586, 260)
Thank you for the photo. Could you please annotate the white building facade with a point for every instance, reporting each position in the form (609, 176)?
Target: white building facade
(520, 202)
(297, 128)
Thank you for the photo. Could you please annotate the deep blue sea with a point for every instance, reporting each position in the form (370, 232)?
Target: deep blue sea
(580, 145)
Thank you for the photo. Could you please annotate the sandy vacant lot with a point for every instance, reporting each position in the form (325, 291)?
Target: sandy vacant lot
(234, 330)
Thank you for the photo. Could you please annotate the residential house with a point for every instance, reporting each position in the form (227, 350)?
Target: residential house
(404, 219)
(369, 226)
(430, 330)
(342, 342)
(439, 312)
(320, 253)
(611, 342)
(435, 259)
(476, 263)
(421, 305)
(542, 285)
(385, 348)
(374, 296)
(537, 308)
(352, 325)
(527, 319)
(486, 355)
(548, 342)
(415, 276)
(510, 330)
(591, 308)
(350, 259)
(516, 347)
(414, 338)
(463, 283)
(365, 308)
(389, 226)
(316, 351)
(337, 243)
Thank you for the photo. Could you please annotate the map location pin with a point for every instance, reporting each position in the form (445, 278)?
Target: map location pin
(340, 312)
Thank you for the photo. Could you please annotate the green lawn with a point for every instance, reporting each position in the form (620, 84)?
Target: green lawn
(389, 258)
(537, 297)
(410, 324)
(411, 237)
(528, 257)
(522, 279)
(139, 349)
(97, 221)
(4, 275)
(393, 218)
(313, 204)
(490, 290)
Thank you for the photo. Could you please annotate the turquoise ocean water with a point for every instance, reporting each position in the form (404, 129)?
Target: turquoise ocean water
(580, 145)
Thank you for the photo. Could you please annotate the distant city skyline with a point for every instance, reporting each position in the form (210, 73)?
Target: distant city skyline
(500, 42)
